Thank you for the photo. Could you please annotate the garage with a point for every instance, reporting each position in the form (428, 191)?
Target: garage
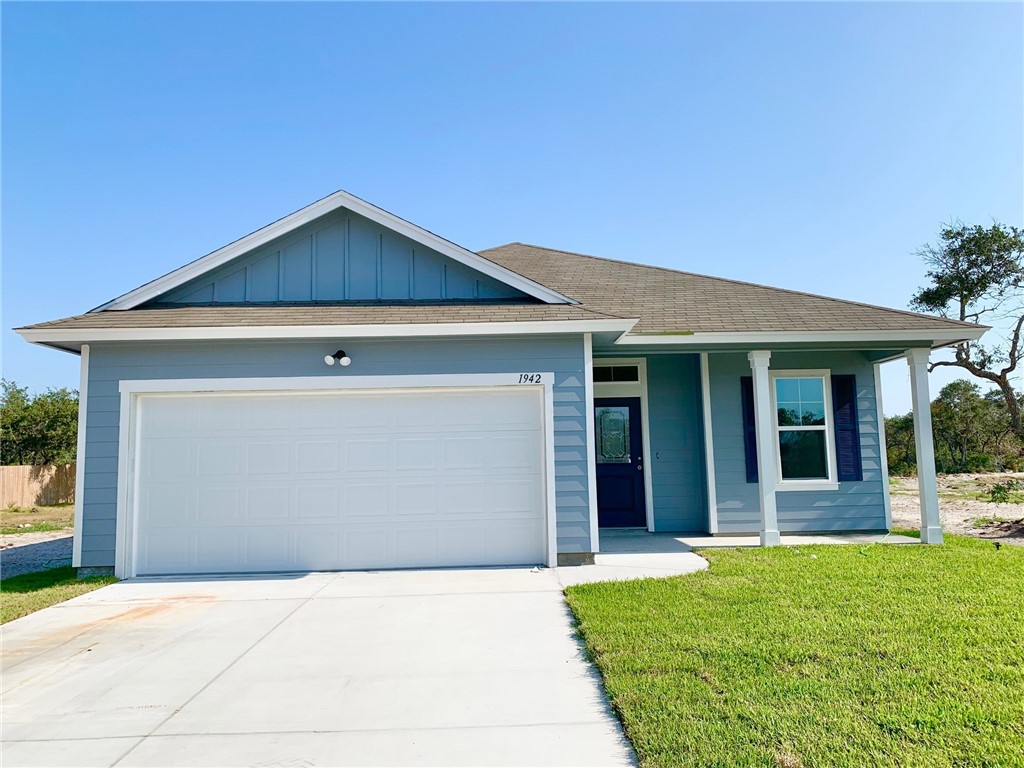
(277, 481)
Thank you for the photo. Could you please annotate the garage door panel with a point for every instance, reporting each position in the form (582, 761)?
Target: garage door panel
(219, 457)
(296, 481)
(318, 456)
(268, 504)
(269, 458)
(317, 501)
(364, 500)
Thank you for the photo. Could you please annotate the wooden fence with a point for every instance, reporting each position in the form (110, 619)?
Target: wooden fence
(28, 485)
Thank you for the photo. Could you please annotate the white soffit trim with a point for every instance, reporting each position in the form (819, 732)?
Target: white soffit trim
(939, 336)
(380, 330)
(329, 204)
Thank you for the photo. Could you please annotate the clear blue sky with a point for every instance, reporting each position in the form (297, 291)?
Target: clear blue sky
(810, 146)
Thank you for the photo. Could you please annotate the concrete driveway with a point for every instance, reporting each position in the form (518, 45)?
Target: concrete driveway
(456, 667)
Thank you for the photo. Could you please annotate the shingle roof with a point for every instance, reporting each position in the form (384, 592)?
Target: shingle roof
(664, 301)
(667, 301)
(211, 316)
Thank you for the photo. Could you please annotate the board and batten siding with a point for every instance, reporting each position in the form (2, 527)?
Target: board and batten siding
(109, 364)
(856, 506)
(342, 256)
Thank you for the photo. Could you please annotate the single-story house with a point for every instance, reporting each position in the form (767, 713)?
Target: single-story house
(343, 389)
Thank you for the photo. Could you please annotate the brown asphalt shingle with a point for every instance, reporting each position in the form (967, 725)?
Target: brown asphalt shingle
(665, 302)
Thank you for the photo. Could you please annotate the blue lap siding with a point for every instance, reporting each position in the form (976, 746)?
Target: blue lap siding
(856, 506)
(111, 363)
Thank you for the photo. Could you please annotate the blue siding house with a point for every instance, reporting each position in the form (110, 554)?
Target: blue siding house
(344, 389)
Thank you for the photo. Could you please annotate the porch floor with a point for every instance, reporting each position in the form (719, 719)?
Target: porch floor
(616, 542)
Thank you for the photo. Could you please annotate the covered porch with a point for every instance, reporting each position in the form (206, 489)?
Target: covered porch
(702, 445)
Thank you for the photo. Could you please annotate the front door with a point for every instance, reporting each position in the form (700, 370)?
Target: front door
(620, 463)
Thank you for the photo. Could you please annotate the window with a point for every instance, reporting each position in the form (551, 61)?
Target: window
(604, 374)
(803, 426)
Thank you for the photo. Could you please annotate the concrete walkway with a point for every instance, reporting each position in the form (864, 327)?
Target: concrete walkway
(447, 667)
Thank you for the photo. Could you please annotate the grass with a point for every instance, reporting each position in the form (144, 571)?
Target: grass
(22, 595)
(903, 655)
(16, 519)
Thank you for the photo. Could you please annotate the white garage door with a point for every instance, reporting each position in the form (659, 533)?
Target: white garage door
(320, 481)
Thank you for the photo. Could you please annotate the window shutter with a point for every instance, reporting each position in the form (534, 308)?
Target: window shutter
(749, 429)
(844, 412)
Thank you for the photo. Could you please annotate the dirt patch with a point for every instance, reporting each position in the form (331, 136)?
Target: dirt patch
(963, 506)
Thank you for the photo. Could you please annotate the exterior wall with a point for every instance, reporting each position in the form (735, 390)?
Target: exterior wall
(677, 448)
(340, 257)
(855, 506)
(111, 363)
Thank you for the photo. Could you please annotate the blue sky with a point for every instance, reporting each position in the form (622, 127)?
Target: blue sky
(809, 146)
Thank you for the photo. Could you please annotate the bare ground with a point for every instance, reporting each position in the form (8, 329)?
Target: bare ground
(964, 506)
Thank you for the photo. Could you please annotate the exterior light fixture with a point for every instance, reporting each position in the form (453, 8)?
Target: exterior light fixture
(338, 357)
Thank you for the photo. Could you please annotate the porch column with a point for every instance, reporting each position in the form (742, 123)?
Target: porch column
(931, 525)
(765, 432)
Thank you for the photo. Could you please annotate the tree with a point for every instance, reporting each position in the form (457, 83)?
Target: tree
(37, 430)
(972, 433)
(977, 275)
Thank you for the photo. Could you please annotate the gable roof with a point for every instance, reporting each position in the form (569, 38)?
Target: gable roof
(668, 301)
(322, 207)
(637, 303)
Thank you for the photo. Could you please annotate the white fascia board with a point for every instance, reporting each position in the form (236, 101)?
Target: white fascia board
(936, 337)
(382, 330)
(329, 204)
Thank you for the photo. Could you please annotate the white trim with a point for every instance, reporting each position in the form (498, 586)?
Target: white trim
(588, 385)
(379, 330)
(329, 204)
(83, 409)
(128, 438)
(763, 420)
(924, 445)
(829, 483)
(940, 336)
(633, 389)
(883, 454)
(709, 444)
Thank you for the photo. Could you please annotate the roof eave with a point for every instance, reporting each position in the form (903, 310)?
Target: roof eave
(68, 339)
(936, 337)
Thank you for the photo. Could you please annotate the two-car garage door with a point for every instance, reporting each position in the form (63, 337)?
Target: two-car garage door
(318, 481)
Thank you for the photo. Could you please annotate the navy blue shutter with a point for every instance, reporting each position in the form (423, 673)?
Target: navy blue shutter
(844, 412)
(749, 430)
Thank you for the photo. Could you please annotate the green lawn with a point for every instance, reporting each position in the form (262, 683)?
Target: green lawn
(819, 656)
(22, 595)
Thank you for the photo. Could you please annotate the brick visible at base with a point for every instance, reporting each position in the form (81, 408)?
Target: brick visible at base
(92, 571)
(575, 558)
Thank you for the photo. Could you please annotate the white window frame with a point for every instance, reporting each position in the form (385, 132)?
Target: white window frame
(831, 483)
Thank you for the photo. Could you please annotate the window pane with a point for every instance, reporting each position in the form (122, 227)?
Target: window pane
(801, 402)
(803, 455)
(789, 414)
(812, 413)
(787, 389)
(612, 428)
(603, 373)
(812, 389)
(625, 373)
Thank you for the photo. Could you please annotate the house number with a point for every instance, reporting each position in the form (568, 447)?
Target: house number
(529, 378)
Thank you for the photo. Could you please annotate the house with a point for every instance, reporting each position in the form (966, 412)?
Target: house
(344, 389)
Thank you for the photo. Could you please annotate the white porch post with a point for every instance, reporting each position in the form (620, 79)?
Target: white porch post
(765, 447)
(931, 525)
